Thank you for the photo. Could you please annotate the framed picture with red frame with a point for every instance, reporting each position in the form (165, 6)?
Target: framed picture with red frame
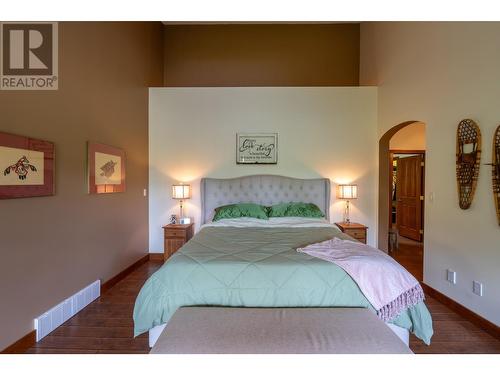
(105, 169)
(27, 167)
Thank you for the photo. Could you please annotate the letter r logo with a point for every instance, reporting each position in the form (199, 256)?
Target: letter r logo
(27, 49)
(35, 41)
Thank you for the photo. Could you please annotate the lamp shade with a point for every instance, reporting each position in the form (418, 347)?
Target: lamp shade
(181, 191)
(348, 191)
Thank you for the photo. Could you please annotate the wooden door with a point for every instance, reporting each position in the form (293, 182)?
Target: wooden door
(409, 196)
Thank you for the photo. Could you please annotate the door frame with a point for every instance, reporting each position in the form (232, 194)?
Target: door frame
(391, 159)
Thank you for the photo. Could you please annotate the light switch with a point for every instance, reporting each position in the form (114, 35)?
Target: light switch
(145, 192)
(451, 276)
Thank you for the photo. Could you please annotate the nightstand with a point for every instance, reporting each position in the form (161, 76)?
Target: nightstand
(355, 230)
(176, 235)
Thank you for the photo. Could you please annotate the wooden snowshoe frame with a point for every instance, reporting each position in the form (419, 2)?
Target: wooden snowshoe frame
(495, 171)
(468, 161)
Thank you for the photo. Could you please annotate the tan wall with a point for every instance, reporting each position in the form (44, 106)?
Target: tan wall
(411, 137)
(52, 246)
(440, 73)
(262, 55)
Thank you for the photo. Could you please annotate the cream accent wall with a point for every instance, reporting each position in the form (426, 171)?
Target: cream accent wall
(411, 137)
(323, 132)
(440, 73)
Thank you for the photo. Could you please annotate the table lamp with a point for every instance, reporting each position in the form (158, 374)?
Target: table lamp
(347, 192)
(181, 192)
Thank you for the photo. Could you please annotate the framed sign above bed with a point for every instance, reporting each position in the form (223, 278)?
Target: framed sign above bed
(257, 148)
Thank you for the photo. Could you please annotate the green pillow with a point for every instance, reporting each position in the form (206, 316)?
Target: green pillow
(298, 209)
(232, 211)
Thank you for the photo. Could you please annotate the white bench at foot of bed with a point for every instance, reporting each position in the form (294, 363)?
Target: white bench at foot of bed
(197, 330)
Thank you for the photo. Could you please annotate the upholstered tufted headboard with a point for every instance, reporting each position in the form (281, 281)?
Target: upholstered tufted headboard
(262, 189)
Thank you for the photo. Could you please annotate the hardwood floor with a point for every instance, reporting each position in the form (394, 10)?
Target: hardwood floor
(106, 325)
(411, 255)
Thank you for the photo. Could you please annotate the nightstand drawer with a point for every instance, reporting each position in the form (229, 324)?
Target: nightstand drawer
(175, 233)
(175, 236)
(355, 230)
(356, 233)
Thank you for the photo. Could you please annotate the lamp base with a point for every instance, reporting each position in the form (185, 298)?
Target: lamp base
(347, 220)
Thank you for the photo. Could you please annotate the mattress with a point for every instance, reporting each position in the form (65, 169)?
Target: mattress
(256, 267)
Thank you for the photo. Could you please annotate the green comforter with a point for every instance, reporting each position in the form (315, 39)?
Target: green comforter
(256, 267)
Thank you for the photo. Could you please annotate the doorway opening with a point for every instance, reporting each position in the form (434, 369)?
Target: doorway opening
(401, 194)
(407, 194)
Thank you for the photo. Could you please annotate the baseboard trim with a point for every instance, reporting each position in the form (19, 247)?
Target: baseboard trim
(21, 345)
(471, 316)
(156, 257)
(117, 278)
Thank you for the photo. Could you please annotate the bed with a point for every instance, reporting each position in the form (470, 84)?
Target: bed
(254, 263)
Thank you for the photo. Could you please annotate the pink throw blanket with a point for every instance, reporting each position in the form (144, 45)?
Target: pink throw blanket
(389, 287)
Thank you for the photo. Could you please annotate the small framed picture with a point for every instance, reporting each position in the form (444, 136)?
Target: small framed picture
(185, 220)
(27, 167)
(257, 148)
(105, 169)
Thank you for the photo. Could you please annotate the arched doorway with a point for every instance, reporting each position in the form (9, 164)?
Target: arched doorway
(401, 165)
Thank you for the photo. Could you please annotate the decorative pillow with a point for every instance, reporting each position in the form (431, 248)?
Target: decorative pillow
(232, 211)
(298, 209)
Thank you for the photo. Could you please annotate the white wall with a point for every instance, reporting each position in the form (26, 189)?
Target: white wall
(411, 137)
(440, 73)
(323, 132)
